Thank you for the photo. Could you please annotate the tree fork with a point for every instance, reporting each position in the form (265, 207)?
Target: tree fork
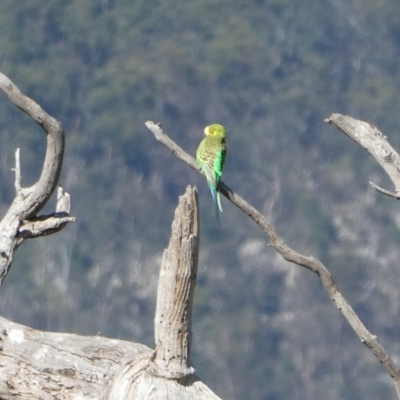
(21, 221)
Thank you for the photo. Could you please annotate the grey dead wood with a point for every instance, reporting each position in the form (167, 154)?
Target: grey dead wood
(168, 372)
(307, 262)
(173, 331)
(48, 366)
(45, 365)
(376, 143)
(21, 221)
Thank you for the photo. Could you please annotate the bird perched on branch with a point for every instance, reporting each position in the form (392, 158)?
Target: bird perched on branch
(210, 156)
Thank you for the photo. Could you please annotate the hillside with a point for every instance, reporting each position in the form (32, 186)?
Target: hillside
(270, 71)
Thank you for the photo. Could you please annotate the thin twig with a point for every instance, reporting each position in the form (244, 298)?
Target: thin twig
(384, 191)
(291, 255)
(63, 201)
(17, 171)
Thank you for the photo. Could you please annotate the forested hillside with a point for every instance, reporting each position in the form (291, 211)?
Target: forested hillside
(270, 71)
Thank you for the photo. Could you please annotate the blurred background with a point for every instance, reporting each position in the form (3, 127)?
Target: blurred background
(270, 71)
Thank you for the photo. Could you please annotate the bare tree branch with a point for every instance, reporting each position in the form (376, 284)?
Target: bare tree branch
(372, 140)
(44, 187)
(291, 255)
(21, 221)
(17, 171)
(43, 226)
(384, 191)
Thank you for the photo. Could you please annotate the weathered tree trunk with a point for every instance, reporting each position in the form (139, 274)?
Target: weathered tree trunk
(167, 373)
(44, 365)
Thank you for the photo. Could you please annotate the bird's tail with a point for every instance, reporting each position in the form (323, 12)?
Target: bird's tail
(219, 201)
(216, 201)
(216, 209)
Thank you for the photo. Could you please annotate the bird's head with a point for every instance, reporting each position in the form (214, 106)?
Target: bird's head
(215, 130)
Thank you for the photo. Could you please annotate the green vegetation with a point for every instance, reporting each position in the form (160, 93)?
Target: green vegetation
(268, 70)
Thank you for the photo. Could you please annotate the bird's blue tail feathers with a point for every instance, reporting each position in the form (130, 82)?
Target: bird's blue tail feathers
(216, 201)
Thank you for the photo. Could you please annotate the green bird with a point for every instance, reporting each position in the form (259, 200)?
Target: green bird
(210, 156)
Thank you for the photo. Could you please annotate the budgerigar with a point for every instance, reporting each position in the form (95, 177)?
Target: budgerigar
(210, 156)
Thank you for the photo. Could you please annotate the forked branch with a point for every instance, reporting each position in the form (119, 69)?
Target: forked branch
(44, 187)
(21, 220)
(377, 144)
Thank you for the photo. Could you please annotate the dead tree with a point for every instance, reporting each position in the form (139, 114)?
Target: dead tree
(21, 221)
(44, 365)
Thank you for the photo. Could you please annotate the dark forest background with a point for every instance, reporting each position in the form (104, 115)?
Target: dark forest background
(270, 71)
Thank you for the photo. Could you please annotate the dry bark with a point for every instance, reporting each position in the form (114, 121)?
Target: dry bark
(44, 365)
(168, 373)
(176, 285)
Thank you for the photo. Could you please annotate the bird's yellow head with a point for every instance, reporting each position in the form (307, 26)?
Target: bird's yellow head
(215, 130)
